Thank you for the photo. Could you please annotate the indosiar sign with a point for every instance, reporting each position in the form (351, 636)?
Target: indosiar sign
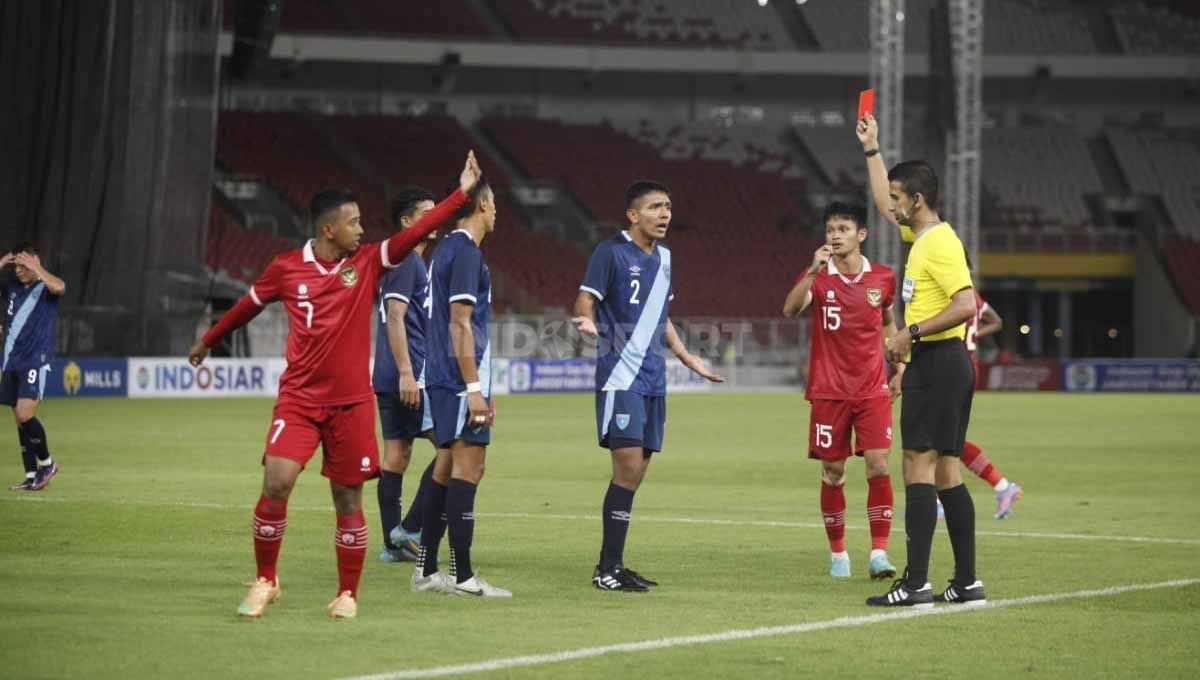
(153, 377)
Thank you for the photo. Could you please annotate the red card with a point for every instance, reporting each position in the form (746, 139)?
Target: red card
(866, 103)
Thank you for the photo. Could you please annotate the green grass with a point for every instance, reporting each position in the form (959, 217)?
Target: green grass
(130, 563)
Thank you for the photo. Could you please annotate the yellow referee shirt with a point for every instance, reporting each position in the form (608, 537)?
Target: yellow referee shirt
(935, 271)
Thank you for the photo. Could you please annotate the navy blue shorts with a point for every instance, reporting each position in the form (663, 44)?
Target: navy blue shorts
(450, 419)
(627, 419)
(29, 383)
(401, 422)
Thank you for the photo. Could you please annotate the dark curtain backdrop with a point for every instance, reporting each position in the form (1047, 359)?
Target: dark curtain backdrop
(108, 128)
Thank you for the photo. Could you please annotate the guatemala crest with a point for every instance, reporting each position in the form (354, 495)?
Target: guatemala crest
(622, 421)
(349, 276)
(874, 296)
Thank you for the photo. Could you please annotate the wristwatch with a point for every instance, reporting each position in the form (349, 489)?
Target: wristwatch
(914, 331)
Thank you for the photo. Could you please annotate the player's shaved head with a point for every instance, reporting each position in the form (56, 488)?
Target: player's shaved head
(641, 188)
(324, 205)
(406, 202)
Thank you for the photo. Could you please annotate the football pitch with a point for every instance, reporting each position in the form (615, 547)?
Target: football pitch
(130, 563)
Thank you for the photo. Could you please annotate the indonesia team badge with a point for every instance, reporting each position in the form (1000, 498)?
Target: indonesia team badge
(349, 276)
(874, 296)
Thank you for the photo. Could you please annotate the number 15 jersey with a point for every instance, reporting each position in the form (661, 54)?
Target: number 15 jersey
(846, 361)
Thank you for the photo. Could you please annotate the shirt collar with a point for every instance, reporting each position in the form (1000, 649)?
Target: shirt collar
(311, 256)
(866, 267)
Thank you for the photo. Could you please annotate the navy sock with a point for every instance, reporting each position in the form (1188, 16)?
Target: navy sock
(412, 521)
(27, 457)
(35, 437)
(460, 515)
(434, 514)
(618, 502)
(388, 494)
(960, 523)
(920, 519)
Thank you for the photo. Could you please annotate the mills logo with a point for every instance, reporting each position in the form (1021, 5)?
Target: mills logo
(72, 379)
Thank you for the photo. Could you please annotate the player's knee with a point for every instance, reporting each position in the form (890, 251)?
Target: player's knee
(832, 473)
(279, 488)
(876, 466)
(23, 414)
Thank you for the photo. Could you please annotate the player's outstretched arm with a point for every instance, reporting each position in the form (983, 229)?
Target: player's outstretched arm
(800, 296)
(55, 285)
(867, 131)
(400, 243)
(239, 315)
(693, 362)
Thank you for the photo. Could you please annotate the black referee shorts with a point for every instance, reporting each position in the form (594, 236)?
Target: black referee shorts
(938, 386)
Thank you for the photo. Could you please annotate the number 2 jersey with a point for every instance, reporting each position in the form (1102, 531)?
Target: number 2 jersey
(846, 361)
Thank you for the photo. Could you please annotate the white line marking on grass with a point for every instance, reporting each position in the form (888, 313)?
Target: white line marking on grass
(25, 498)
(752, 633)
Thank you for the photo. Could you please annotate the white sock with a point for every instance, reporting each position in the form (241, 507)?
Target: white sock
(1001, 485)
(877, 552)
(843, 555)
(46, 463)
(30, 475)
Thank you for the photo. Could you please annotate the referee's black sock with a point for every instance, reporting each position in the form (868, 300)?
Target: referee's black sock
(388, 494)
(618, 504)
(920, 519)
(960, 522)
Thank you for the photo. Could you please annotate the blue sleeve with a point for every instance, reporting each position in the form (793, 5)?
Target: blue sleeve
(464, 275)
(599, 272)
(401, 283)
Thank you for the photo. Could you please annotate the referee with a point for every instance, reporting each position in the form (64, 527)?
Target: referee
(939, 381)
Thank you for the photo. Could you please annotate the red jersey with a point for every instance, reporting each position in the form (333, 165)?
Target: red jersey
(330, 307)
(846, 361)
(971, 337)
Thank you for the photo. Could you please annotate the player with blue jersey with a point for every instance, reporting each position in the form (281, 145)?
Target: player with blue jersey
(398, 379)
(458, 381)
(623, 302)
(31, 303)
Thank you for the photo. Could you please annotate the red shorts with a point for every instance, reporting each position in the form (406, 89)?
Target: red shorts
(978, 373)
(346, 434)
(831, 422)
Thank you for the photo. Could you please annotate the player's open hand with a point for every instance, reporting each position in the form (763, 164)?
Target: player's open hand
(7, 259)
(410, 394)
(867, 131)
(820, 258)
(29, 261)
(479, 414)
(697, 366)
(470, 174)
(198, 353)
(585, 325)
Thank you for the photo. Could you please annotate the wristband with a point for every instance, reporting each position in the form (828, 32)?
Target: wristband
(872, 152)
(473, 387)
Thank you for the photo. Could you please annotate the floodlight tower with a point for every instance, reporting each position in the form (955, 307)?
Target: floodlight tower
(964, 139)
(887, 79)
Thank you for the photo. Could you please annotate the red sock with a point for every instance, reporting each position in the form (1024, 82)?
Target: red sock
(270, 521)
(350, 542)
(833, 508)
(879, 510)
(974, 458)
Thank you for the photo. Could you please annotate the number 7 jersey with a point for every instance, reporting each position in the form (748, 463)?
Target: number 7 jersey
(330, 307)
(846, 361)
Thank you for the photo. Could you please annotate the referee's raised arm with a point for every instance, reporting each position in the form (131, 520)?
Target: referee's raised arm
(938, 385)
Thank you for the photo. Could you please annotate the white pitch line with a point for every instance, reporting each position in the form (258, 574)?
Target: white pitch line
(641, 518)
(752, 633)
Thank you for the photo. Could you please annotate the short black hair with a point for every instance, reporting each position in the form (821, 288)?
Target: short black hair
(406, 201)
(326, 201)
(481, 187)
(641, 188)
(24, 247)
(854, 212)
(916, 177)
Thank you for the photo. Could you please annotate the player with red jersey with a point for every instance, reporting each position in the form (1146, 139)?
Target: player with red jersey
(325, 395)
(986, 322)
(851, 299)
